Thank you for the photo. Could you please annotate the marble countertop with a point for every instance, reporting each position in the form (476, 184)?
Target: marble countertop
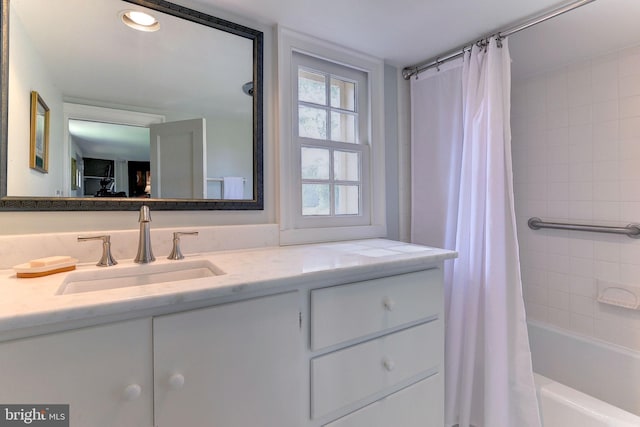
(31, 303)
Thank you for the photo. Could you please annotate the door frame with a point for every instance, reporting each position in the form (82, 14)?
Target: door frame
(101, 115)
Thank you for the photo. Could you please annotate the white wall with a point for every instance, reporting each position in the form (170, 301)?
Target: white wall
(392, 162)
(576, 145)
(230, 151)
(404, 158)
(27, 73)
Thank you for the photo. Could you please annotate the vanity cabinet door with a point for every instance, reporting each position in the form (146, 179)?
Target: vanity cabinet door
(346, 376)
(103, 373)
(419, 405)
(233, 365)
(342, 313)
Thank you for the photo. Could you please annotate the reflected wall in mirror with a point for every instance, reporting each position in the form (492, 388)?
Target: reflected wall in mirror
(171, 117)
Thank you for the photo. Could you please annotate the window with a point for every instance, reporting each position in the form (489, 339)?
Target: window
(331, 140)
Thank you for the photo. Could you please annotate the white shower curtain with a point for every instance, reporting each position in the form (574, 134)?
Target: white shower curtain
(489, 381)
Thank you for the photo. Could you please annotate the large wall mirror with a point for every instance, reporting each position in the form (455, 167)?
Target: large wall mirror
(107, 109)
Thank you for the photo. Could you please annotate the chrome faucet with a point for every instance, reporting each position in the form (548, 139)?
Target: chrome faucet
(106, 259)
(145, 254)
(176, 252)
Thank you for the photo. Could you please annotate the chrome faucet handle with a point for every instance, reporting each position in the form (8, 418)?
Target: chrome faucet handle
(106, 259)
(176, 253)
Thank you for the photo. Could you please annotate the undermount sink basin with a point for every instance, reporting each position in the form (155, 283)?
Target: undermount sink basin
(136, 275)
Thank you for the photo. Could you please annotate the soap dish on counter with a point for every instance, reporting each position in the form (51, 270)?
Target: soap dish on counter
(626, 296)
(35, 268)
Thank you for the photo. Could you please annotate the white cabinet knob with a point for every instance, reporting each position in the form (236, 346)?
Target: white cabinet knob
(176, 381)
(388, 364)
(388, 303)
(132, 392)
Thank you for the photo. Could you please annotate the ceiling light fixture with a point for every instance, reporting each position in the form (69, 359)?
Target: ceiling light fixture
(140, 21)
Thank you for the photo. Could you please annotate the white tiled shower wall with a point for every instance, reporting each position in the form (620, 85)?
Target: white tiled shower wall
(576, 157)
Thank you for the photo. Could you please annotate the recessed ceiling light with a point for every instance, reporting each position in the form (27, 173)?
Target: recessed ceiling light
(140, 21)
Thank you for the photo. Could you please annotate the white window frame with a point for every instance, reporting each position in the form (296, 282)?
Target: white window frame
(361, 146)
(295, 228)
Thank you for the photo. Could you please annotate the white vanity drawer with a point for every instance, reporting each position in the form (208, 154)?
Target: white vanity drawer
(347, 376)
(341, 313)
(419, 405)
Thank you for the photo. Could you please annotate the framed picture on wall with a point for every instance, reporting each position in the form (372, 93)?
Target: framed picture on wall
(75, 174)
(39, 152)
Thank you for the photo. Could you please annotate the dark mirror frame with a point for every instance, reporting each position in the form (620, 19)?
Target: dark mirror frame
(11, 203)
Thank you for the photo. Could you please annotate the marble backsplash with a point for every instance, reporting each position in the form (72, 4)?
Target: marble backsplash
(17, 249)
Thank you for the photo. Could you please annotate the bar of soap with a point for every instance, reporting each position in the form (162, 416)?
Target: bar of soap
(52, 260)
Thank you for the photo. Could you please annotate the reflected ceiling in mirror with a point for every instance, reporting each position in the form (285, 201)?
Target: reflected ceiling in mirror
(98, 77)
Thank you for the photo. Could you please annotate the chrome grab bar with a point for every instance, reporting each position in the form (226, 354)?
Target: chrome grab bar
(631, 230)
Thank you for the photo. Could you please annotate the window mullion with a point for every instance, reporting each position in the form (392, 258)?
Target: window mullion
(314, 181)
(343, 111)
(314, 105)
(327, 91)
(332, 187)
(335, 145)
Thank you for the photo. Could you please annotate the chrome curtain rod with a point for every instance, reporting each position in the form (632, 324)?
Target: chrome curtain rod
(631, 230)
(414, 70)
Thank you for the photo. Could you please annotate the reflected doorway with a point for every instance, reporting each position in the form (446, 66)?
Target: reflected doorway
(139, 179)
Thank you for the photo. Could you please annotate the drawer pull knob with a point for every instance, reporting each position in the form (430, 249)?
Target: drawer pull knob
(132, 392)
(388, 303)
(176, 381)
(388, 364)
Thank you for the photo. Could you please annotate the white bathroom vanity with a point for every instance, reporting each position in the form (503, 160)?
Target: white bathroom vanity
(338, 334)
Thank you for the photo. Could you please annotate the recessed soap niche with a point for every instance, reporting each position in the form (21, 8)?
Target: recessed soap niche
(618, 294)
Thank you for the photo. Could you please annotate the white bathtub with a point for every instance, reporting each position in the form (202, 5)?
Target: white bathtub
(583, 382)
